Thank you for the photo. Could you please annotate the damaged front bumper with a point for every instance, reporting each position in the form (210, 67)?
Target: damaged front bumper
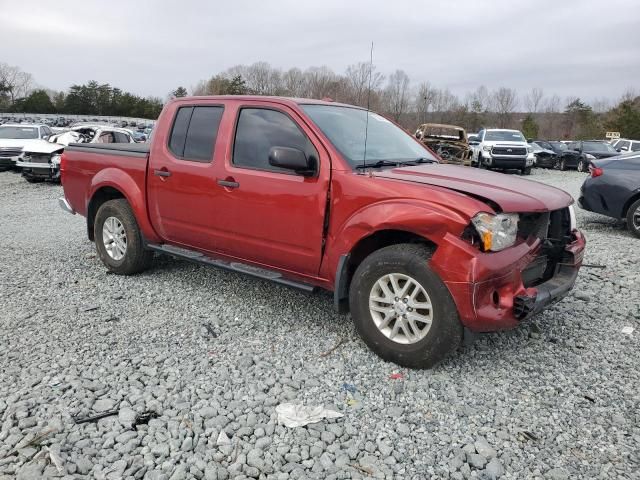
(49, 171)
(498, 297)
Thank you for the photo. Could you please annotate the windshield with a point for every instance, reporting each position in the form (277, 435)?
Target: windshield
(543, 144)
(559, 146)
(598, 147)
(19, 133)
(503, 136)
(345, 128)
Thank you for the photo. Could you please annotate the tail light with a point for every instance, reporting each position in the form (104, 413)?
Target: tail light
(595, 171)
(63, 165)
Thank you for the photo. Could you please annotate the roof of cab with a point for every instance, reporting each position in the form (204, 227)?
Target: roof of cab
(282, 100)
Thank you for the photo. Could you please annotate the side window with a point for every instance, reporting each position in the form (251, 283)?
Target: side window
(194, 133)
(261, 129)
(106, 137)
(635, 146)
(121, 137)
(622, 144)
(46, 131)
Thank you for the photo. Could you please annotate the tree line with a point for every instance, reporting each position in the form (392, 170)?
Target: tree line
(17, 95)
(535, 112)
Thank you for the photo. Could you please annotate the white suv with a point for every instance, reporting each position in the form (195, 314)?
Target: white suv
(502, 149)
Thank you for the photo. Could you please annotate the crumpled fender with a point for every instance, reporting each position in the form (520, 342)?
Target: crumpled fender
(428, 220)
(125, 184)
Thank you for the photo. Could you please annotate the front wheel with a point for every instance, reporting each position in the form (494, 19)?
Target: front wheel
(118, 239)
(563, 165)
(401, 308)
(633, 218)
(581, 166)
(526, 171)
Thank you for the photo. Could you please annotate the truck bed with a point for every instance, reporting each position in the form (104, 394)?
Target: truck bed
(126, 149)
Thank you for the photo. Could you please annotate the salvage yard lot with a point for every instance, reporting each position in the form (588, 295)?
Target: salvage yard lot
(556, 398)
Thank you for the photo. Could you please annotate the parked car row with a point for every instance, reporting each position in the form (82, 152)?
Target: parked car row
(36, 150)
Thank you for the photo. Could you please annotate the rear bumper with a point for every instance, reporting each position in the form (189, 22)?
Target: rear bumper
(497, 299)
(64, 204)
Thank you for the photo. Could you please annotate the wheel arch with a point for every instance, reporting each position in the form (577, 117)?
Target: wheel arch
(633, 198)
(349, 262)
(99, 197)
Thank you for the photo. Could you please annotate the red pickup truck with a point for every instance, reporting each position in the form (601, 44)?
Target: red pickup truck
(316, 194)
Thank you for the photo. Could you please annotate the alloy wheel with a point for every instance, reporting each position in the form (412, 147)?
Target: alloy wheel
(114, 238)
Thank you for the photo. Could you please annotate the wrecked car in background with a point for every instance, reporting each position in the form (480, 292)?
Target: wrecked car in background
(448, 141)
(13, 137)
(40, 160)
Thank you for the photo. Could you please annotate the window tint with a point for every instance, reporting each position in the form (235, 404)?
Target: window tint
(121, 137)
(635, 146)
(194, 132)
(259, 130)
(202, 133)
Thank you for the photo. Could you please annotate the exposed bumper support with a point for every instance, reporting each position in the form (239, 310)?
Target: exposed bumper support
(22, 164)
(66, 206)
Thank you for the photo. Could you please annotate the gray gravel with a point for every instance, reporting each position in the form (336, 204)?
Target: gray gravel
(557, 398)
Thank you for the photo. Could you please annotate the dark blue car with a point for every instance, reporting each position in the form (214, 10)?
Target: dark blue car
(613, 189)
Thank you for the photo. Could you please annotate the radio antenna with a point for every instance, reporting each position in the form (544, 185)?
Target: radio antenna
(366, 128)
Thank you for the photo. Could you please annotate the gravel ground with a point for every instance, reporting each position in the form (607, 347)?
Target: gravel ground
(556, 398)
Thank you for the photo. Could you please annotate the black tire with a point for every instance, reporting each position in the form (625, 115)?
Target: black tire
(563, 164)
(526, 171)
(634, 211)
(444, 335)
(33, 179)
(136, 258)
(581, 166)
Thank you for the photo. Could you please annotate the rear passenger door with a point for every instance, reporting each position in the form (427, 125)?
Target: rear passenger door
(181, 184)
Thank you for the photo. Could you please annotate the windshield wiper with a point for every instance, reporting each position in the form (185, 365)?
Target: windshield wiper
(396, 163)
(419, 160)
(380, 163)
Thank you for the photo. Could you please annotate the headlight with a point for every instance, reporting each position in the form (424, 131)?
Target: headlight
(497, 232)
(572, 218)
(529, 150)
(55, 159)
(487, 148)
(588, 156)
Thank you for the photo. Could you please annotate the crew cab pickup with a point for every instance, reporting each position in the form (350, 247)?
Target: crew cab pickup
(316, 194)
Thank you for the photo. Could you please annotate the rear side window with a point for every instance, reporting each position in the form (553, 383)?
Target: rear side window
(121, 137)
(194, 133)
(261, 129)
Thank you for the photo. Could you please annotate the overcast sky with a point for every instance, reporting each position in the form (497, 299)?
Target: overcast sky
(583, 48)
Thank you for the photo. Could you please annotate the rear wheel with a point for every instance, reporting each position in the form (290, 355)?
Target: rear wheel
(118, 239)
(401, 308)
(633, 218)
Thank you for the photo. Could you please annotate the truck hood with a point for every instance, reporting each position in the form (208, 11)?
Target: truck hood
(43, 146)
(511, 193)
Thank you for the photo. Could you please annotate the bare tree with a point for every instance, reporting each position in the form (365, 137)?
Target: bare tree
(505, 102)
(425, 99)
(357, 82)
(552, 105)
(16, 82)
(293, 83)
(533, 100)
(318, 81)
(397, 94)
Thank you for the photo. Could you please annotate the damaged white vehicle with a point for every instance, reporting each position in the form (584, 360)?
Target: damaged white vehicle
(40, 160)
(14, 137)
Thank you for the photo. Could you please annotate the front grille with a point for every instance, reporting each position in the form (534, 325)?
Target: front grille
(37, 158)
(509, 151)
(554, 229)
(10, 152)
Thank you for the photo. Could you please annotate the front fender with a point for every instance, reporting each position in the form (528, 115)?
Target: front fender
(428, 220)
(129, 187)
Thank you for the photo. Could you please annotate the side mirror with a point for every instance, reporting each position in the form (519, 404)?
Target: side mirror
(46, 137)
(292, 159)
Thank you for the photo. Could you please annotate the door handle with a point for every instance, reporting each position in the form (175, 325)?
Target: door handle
(162, 172)
(228, 183)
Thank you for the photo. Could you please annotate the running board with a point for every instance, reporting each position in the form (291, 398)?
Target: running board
(262, 273)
